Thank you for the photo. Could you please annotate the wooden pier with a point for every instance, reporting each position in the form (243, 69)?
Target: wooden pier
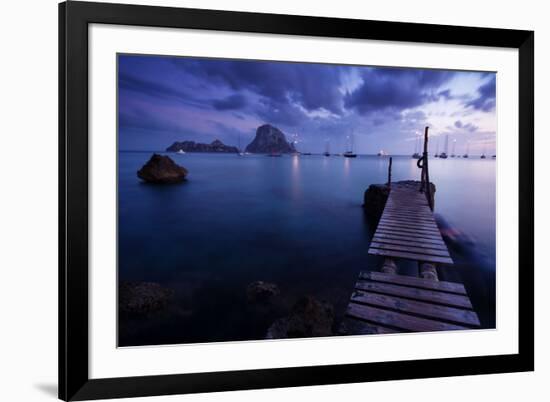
(407, 229)
(385, 302)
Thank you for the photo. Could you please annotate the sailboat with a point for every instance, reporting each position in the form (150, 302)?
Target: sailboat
(416, 155)
(349, 153)
(437, 149)
(240, 153)
(467, 150)
(454, 147)
(483, 153)
(382, 153)
(327, 148)
(443, 155)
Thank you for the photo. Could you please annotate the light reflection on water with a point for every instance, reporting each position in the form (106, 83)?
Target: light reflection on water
(297, 221)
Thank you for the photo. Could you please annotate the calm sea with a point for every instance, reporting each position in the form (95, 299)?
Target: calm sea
(295, 221)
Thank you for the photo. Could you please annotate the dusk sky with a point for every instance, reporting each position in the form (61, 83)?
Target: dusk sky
(167, 99)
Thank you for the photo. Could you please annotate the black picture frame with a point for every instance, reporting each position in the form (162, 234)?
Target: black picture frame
(74, 18)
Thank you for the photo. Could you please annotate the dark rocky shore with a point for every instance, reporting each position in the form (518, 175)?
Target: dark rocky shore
(215, 146)
(142, 297)
(309, 318)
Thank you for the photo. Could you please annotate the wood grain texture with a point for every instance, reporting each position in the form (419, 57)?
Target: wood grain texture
(413, 281)
(427, 310)
(397, 320)
(431, 296)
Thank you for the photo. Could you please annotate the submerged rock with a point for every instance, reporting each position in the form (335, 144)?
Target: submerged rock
(261, 292)
(309, 317)
(269, 139)
(142, 297)
(377, 194)
(162, 169)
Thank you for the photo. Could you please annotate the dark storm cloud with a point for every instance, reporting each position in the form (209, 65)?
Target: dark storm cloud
(312, 86)
(156, 89)
(397, 89)
(231, 102)
(162, 99)
(486, 98)
(279, 112)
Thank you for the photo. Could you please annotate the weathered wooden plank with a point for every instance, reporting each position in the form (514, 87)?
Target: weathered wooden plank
(398, 228)
(407, 199)
(409, 226)
(432, 296)
(408, 249)
(410, 219)
(416, 211)
(428, 310)
(407, 215)
(353, 326)
(408, 210)
(410, 256)
(443, 286)
(398, 320)
(408, 238)
(421, 225)
(411, 216)
(416, 243)
(401, 228)
(411, 235)
(408, 205)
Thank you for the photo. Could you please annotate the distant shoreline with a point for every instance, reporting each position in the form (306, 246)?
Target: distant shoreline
(472, 157)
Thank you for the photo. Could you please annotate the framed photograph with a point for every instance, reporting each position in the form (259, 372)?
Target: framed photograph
(256, 200)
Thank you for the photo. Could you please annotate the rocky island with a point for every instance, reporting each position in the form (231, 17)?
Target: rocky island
(269, 139)
(192, 146)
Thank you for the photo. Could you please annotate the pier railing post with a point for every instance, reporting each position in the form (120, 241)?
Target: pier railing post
(389, 172)
(424, 175)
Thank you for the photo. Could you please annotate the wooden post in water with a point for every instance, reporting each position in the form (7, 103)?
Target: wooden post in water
(428, 271)
(389, 173)
(426, 177)
(389, 266)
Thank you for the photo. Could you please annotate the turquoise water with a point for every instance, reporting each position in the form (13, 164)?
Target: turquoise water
(294, 221)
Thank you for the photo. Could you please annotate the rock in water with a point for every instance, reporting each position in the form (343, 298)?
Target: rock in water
(377, 194)
(162, 169)
(269, 139)
(375, 200)
(261, 292)
(142, 297)
(309, 317)
(215, 146)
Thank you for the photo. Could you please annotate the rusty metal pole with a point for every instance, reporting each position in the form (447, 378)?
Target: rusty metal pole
(426, 171)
